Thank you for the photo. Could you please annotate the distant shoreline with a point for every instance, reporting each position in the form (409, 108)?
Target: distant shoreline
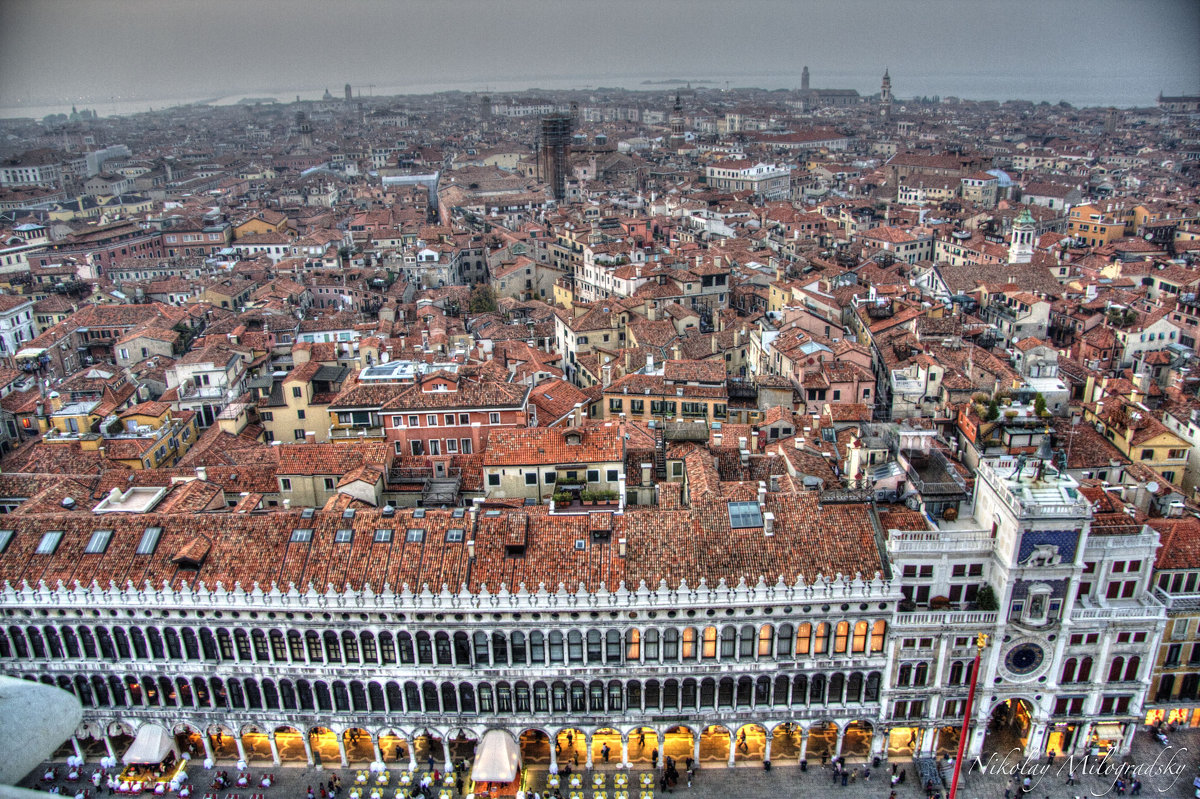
(672, 82)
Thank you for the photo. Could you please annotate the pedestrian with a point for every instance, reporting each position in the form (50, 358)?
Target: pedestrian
(689, 763)
(654, 757)
(1135, 788)
(690, 774)
(324, 795)
(866, 774)
(604, 752)
(1050, 758)
(1008, 792)
(458, 784)
(1071, 777)
(642, 740)
(431, 762)
(845, 778)
(570, 740)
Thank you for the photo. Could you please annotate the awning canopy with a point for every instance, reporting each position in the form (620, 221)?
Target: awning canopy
(496, 758)
(1109, 732)
(150, 746)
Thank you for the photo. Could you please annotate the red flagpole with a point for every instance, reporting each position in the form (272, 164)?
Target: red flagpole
(980, 643)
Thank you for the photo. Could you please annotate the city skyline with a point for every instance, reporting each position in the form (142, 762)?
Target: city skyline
(187, 53)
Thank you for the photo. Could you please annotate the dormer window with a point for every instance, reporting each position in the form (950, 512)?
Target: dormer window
(573, 438)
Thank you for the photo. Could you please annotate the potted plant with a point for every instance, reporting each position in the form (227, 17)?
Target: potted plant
(588, 497)
(562, 497)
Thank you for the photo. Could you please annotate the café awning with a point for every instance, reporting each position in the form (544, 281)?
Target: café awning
(150, 746)
(496, 758)
(1109, 731)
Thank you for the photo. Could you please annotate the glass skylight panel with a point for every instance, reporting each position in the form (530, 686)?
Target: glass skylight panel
(301, 534)
(49, 543)
(343, 536)
(383, 536)
(6, 537)
(149, 541)
(419, 513)
(98, 542)
(415, 535)
(307, 513)
(455, 535)
(745, 514)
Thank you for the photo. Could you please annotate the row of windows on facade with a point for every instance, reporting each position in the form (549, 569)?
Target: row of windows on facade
(447, 697)
(461, 649)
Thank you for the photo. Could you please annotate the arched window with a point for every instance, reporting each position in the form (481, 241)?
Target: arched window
(341, 697)
(1116, 669)
(878, 634)
(956, 672)
(312, 641)
(84, 690)
(121, 640)
(821, 639)
(191, 647)
(541, 698)
(840, 636)
(395, 700)
(920, 674)
(799, 689)
(537, 648)
(710, 642)
(652, 695)
(241, 643)
(837, 685)
(425, 648)
(333, 652)
(816, 690)
(521, 695)
(466, 697)
(745, 690)
(429, 695)
(633, 695)
(486, 704)
(904, 675)
(480, 640)
(499, 649)
(253, 697)
(236, 697)
(612, 646)
(615, 697)
(35, 642)
(784, 642)
(520, 651)
(99, 691)
(462, 649)
(854, 687)
(670, 651)
(746, 638)
(387, 648)
(762, 691)
(728, 643)
(324, 700)
(405, 645)
(216, 689)
(708, 693)
(633, 640)
(350, 646)
(596, 696)
(782, 689)
(370, 652)
(117, 688)
(1068, 672)
(152, 635)
(449, 698)
(441, 649)
(287, 695)
(358, 696)
(574, 646)
(765, 638)
(174, 651)
(871, 694)
(860, 637)
(270, 695)
(556, 646)
(88, 643)
(104, 641)
(1166, 684)
(208, 643)
(804, 638)
(412, 697)
(594, 648)
(53, 645)
(138, 641)
(688, 648)
(1132, 667)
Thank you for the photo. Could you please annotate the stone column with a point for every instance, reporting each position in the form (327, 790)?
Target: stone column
(696, 748)
(77, 747)
(112, 753)
(446, 753)
(803, 743)
(241, 748)
(553, 755)
(767, 749)
(878, 742)
(624, 748)
(274, 748)
(587, 742)
(412, 752)
(308, 753)
(732, 749)
(341, 739)
(841, 737)
(378, 751)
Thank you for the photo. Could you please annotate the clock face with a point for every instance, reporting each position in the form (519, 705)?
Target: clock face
(1024, 658)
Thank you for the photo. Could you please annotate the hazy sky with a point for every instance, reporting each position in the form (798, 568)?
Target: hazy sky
(1085, 51)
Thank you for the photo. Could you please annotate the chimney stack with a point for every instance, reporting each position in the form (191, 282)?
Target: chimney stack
(202, 473)
(768, 524)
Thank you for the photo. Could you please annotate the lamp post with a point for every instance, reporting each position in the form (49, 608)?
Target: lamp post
(980, 643)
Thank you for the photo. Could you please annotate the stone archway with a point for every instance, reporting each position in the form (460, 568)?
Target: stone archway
(394, 748)
(324, 746)
(256, 744)
(290, 743)
(1008, 727)
(535, 746)
(822, 741)
(223, 741)
(571, 747)
(714, 745)
(606, 737)
(359, 748)
(856, 739)
(786, 741)
(677, 742)
(750, 744)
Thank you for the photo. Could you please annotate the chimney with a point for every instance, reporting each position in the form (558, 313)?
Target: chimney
(675, 350)
(768, 524)
(606, 375)
(717, 438)
(310, 437)
(202, 473)
(649, 363)
(762, 493)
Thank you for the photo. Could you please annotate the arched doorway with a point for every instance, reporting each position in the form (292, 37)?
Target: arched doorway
(358, 746)
(571, 747)
(222, 740)
(677, 742)
(428, 746)
(904, 741)
(290, 743)
(393, 748)
(751, 744)
(822, 741)
(785, 743)
(606, 736)
(1008, 727)
(856, 742)
(189, 740)
(462, 746)
(947, 741)
(714, 745)
(535, 746)
(121, 735)
(324, 746)
(256, 745)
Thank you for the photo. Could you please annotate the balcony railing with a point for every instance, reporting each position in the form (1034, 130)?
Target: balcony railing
(943, 618)
(351, 433)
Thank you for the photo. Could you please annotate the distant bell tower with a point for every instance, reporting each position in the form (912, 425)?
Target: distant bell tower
(804, 80)
(885, 96)
(305, 129)
(677, 123)
(349, 93)
(1021, 249)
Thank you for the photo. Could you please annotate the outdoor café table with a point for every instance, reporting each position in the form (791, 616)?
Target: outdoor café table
(576, 781)
(621, 780)
(598, 780)
(552, 781)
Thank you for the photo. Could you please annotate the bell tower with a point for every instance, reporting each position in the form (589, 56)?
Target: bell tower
(1020, 251)
(885, 96)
